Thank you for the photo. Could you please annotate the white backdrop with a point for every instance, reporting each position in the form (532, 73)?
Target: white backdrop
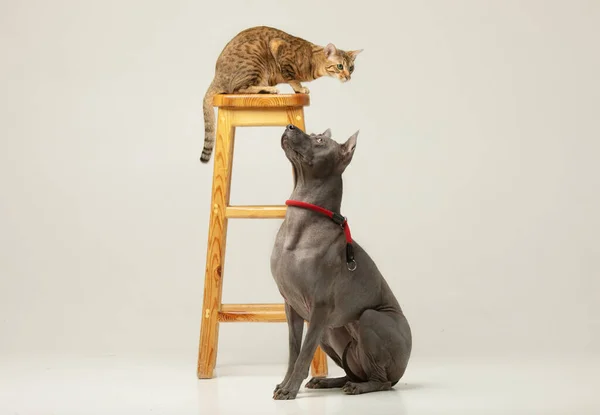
(475, 185)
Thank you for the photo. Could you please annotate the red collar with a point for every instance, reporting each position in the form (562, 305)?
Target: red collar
(337, 218)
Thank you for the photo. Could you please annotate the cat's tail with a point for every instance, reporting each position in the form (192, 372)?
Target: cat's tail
(209, 122)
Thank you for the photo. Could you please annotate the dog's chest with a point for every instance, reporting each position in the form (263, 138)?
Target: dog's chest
(300, 258)
(293, 277)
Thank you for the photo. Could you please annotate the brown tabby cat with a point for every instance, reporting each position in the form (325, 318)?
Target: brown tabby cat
(259, 58)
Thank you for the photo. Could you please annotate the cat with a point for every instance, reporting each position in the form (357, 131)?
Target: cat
(259, 58)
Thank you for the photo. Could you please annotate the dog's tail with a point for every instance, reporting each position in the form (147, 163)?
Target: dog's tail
(349, 373)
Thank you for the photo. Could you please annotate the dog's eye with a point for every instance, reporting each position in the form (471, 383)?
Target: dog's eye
(340, 66)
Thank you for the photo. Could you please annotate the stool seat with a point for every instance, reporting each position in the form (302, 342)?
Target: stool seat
(261, 100)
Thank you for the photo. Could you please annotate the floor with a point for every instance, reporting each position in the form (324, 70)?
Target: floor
(156, 386)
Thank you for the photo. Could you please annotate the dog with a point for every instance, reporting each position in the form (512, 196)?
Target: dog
(329, 280)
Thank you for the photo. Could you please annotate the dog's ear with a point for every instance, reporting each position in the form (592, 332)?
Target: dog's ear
(327, 133)
(347, 150)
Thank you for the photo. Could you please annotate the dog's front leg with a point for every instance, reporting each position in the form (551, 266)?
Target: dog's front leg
(295, 329)
(318, 320)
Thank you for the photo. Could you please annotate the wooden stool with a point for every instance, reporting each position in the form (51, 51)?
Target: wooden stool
(240, 111)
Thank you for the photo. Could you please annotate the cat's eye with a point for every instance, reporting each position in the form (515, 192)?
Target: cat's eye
(351, 69)
(340, 66)
(319, 140)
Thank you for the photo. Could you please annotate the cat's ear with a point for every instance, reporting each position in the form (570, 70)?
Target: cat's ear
(354, 53)
(347, 149)
(327, 133)
(330, 51)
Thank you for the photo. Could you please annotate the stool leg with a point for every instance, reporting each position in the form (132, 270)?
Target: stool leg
(296, 117)
(215, 257)
(319, 362)
(318, 366)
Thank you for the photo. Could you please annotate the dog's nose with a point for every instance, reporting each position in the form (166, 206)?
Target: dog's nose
(291, 127)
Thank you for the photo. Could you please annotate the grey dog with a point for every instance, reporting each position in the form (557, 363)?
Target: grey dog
(352, 313)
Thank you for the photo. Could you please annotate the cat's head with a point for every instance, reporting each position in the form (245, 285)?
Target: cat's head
(317, 155)
(339, 63)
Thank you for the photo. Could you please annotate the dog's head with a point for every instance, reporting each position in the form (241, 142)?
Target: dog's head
(317, 155)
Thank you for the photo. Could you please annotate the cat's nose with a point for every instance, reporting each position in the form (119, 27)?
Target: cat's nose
(291, 127)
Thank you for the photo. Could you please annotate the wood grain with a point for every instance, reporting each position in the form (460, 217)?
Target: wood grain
(217, 237)
(260, 313)
(256, 212)
(297, 116)
(252, 307)
(267, 117)
(261, 100)
(318, 366)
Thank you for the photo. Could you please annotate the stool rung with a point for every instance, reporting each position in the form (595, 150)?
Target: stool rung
(260, 313)
(255, 212)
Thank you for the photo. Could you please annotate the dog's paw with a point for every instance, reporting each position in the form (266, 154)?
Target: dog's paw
(284, 394)
(314, 383)
(351, 388)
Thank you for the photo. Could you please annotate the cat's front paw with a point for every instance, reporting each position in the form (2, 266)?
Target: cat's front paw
(303, 90)
(268, 90)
